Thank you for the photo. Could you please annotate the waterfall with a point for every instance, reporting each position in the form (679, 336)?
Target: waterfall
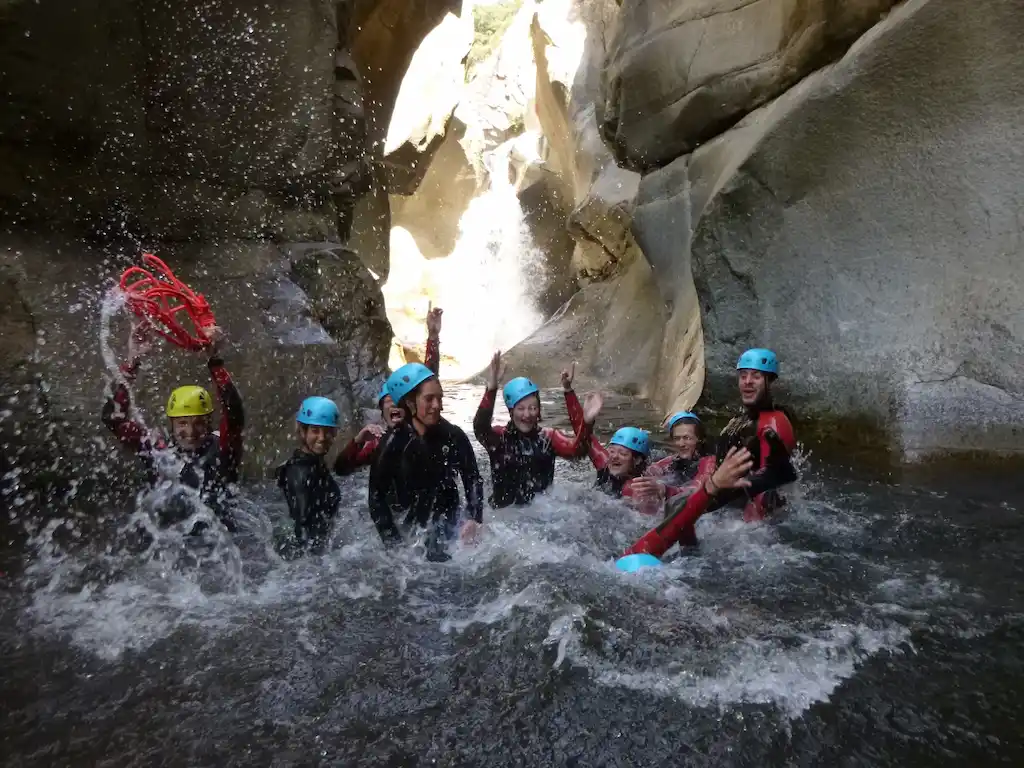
(487, 286)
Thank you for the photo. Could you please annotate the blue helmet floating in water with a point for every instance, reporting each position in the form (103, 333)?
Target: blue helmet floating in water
(632, 438)
(763, 360)
(318, 412)
(685, 416)
(406, 379)
(633, 563)
(517, 389)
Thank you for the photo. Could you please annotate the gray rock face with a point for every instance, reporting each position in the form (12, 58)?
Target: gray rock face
(300, 320)
(866, 226)
(679, 73)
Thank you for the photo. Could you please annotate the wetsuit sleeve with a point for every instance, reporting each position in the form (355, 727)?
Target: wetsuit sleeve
(115, 412)
(584, 432)
(232, 417)
(293, 479)
(382, 474)
(432, 356)
(487, 435)
(568, 447)
(574, 409)
(354, 456)
(471, 479)
(778, 468)
(683, 512)
(660, 467)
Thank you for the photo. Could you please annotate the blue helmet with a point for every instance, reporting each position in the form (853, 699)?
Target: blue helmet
(406, 379)
(632, 438)
(686, 416)
(318, 412)
(517, 389)
(383, 393)
(763, 360)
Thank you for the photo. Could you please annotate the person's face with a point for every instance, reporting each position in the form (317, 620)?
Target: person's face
(428, 402)
(684, 438)
(316, 439)
(621, 461)
(391, 413)
(526, 414)
(753, 386)
(190, 431)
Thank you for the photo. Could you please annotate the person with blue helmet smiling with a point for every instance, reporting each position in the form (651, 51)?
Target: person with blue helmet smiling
(690, 459)
(619, 463)
(359, 451)
(763, 429)
(522, 453)
(309, 487)
(414, 477)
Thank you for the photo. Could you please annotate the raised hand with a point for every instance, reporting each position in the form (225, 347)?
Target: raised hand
(369, 432)
(434, 321)
(496, 371)
(215, 335)
(592, 407)
(567, 376)
(732, 472)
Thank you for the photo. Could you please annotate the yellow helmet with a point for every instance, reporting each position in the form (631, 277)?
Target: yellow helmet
(189, 401)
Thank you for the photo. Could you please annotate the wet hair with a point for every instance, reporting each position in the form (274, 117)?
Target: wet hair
(407, 402)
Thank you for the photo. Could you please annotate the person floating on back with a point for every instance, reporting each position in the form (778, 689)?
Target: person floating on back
(359, 451)
(308, 485)
(413, 479)
(522, 453)
(200, 458)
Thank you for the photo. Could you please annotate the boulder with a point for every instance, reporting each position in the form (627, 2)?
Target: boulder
(679, 73)
(865, 225)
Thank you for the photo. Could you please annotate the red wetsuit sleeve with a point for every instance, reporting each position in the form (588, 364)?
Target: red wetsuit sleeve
(232, 416)
(432, 356)
(115, 414)
(489, 436)
(354, 456)
(584, 432)
(567, 447)
(677, 526)
(660, 467)
(777, 422)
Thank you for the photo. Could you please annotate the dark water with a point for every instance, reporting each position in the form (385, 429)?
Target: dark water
(874, 624)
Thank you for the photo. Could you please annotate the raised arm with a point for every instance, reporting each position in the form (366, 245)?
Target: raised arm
(432, 356)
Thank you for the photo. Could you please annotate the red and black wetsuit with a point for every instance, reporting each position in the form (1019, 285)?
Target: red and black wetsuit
(355, 456)
(312, 495)
(210, 468)
(681, 474)
(413, 481)
(522, 465)
(768, 434)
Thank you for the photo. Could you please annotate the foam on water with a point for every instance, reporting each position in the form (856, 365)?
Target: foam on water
(753, 618)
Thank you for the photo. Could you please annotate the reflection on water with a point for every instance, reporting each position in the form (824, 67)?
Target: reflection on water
(870, 625)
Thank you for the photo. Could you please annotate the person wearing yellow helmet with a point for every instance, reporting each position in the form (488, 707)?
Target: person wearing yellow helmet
(209, 460)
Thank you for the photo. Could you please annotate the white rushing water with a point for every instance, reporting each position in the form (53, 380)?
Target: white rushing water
(488, 285)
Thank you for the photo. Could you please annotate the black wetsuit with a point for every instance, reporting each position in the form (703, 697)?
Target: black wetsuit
(413, 481)
(312, 495)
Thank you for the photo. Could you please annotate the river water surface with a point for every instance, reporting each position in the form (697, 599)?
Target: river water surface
(872, 624)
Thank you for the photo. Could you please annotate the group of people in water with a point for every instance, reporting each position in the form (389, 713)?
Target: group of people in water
(417, 459)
